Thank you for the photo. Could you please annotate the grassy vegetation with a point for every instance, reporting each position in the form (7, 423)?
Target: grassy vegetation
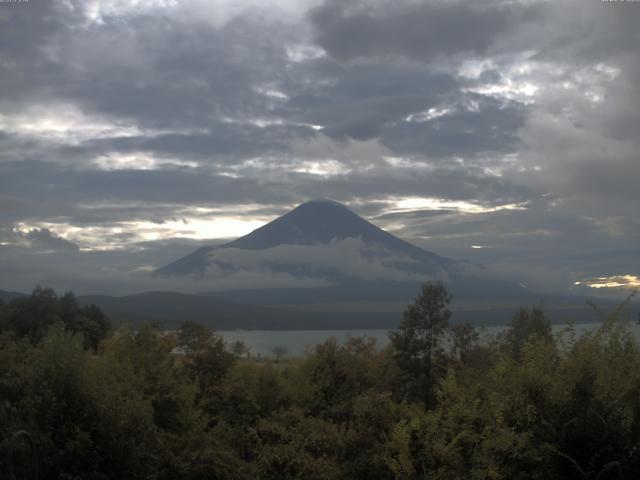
(528, 405)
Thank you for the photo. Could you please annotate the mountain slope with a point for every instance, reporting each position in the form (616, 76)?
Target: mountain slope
(312, 223)
(320, 222)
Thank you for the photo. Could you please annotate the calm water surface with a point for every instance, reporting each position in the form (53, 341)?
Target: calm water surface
(297, 342)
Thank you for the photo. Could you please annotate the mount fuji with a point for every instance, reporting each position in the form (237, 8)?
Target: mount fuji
(315, 223)
(334, 260)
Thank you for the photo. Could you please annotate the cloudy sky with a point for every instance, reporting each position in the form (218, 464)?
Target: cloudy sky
(505, 132)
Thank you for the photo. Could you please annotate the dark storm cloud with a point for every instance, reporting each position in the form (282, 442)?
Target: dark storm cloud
(575, 32)
(419, 30)
(155, 69)
(177, 74)
(41, 182)
(491, 126)
(362, 120)
(571, 31)
(360, 99)
(25, 29)
(43, 238)
(446, 184)
(165, 72)
(147, 113)
(224, 144)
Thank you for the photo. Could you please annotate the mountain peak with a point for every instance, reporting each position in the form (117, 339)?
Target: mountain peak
(316, 222)
(321, 203)
(311, 223)
(324, 207)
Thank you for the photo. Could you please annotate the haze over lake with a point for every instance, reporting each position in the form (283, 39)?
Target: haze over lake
(299, 342)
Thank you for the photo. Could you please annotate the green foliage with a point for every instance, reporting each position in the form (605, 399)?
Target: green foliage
(296, 446)
(525, 325)
(249, 393)
(148, 404)
(207, 357)
(339, 373)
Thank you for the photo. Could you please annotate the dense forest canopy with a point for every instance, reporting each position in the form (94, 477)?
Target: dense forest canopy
(143, 404)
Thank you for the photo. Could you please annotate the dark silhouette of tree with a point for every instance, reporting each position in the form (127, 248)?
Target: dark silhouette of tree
(193, 337)
(417, 341)
(208, 358)
(32, 316)
(464, 338)
(339, 372)
(525, 326)
(93, 324)
(280, 351)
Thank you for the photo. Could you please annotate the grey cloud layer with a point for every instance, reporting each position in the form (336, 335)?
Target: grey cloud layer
(418, 30)
(497, 102)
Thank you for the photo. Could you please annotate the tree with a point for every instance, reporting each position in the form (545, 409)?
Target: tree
(32, 316)
(239, 348)
(88, 320)
(417, 341)
(526, 325)
(207, 356)
(280, 351)
(463, 339)
(337, 373)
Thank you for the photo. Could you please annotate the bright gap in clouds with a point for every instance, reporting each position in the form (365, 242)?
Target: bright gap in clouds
(68, 124)
(631, 282)
(64, 123)
(198, 229)
(511, 90)
(137, 161)
(515, 82)
(325, 168)
(122, 235)
(432, 203)
(215, 12)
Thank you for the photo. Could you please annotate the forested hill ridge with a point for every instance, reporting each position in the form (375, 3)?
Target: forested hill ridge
(169, 309)
(436, 403)
(6, 295)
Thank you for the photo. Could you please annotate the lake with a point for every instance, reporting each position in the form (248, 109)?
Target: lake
(296, 342)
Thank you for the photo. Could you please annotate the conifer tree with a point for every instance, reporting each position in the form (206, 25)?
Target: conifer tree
(417, 341)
